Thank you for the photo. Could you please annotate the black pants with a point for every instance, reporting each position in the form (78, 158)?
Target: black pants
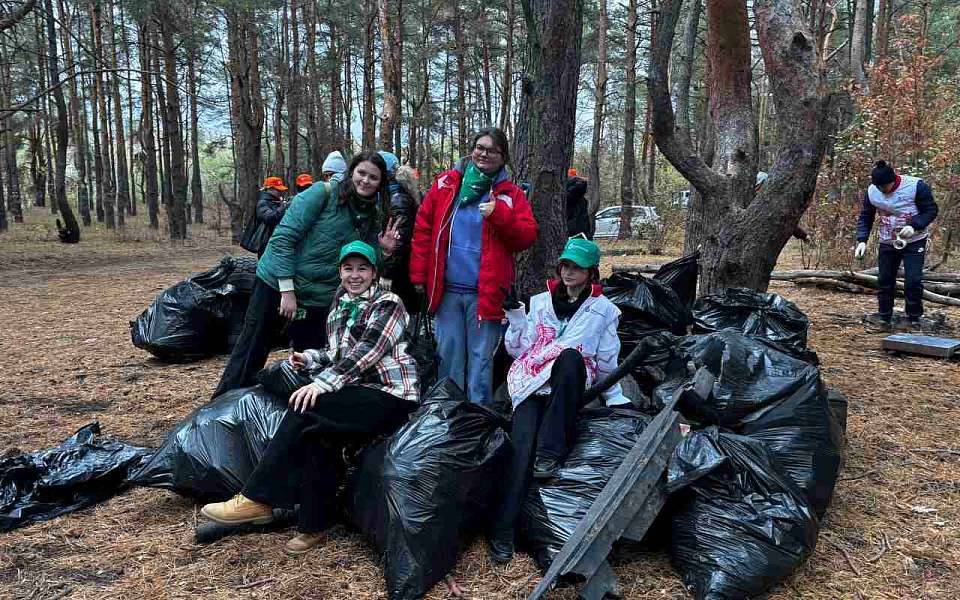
(302, 464)
(889, 263)
(260, 325)
(544, 427)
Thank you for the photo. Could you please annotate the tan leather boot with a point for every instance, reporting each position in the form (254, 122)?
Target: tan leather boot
(303, 542)
(238, 510)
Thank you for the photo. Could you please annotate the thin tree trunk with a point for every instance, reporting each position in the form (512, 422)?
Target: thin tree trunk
(296, 96)
(599, 105)
(71, 229)
(461, 85)
(686, 60)
(38, 170)
(313, 112)
(176, 212)
(163, 163)
(883, 29)
(391, 37)
(77, 118)
(859, 39)
(10, 142)
(100, 93)
(630, 122)
(196, 187)
(507, 81)
(123, 173)
(369, 106)
(150, 184)
(131, 162)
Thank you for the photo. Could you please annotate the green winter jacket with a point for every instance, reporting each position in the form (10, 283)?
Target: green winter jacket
(307, 241)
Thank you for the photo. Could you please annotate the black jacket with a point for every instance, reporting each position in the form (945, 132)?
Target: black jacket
(270, 211)
(397, 267)
(577, 219)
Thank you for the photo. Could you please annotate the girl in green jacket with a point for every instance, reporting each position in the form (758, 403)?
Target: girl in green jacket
(297, 275)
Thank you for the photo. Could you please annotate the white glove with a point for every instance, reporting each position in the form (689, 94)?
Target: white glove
(860, 251)
(907, 232)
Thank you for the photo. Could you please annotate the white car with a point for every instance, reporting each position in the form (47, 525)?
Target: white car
(608, 221)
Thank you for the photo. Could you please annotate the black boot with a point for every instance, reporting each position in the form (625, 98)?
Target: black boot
(545, 468)
(500, 547)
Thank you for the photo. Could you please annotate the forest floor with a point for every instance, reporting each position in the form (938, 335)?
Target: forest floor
(892, 531)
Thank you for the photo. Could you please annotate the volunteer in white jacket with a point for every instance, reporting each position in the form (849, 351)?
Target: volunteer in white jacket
(566, 343)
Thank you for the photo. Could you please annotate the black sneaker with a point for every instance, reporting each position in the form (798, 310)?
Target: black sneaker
(878, 320)
(500, 548)
(545, 468)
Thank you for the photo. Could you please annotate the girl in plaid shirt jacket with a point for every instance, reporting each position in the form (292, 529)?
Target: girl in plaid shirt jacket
(364, 385)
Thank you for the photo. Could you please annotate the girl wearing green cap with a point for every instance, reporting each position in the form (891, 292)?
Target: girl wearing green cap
(364, 384)
(564, 344)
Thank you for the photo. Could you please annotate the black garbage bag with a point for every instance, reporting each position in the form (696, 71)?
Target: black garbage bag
(769, 316)
(281, 379)
(740, 526)
(436, 479)
(681, 275)
(647, 305)
(773, 397)
(662, 360)
(553, 508)
(198, 317)
(211, 454)
(83, 470)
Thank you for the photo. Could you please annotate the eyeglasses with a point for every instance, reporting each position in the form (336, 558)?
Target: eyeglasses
(481, 150)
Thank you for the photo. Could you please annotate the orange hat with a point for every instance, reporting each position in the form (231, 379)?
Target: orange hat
(304, 179)
(571, 172)
(275, 183)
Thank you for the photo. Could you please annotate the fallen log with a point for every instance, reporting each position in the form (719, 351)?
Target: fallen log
(826, 283)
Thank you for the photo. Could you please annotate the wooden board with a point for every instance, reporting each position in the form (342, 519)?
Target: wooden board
(924, 345)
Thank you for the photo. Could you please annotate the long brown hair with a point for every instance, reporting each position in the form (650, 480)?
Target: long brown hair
(346, 188)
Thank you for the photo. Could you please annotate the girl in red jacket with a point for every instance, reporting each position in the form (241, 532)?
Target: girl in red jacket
(471, 224)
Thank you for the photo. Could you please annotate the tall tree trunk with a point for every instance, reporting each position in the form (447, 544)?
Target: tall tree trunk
(163, 164)
(461, 85)
(38, 167)
(599, 105)
(196, 187)
(70, 225)
(545, 146)
(176, 212)
(630, 122)
(247, 109)
(369, 99)
(131, 159)
(100, 94)
(150, 184)
(344, 118)
(77, 117)
(4, 225)
(857, 46)
(883, 29)
(123, 173)
(313, 113)
(296, 95)
(733, 253)
(685, 62)
(391, 41)
(99, 170)
(507, 81)
(10, 142)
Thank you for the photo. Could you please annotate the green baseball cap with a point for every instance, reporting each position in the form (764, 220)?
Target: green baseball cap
(581, 252)
(358, 248)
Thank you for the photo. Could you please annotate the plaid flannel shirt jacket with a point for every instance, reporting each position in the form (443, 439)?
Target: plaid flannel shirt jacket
(370, 351)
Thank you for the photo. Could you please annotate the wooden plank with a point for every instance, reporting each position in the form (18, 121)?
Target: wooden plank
(603, 584)
(924, 345)
(617, 505)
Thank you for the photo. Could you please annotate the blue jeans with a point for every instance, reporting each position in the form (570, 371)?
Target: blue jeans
(466, 346)
(889, 261)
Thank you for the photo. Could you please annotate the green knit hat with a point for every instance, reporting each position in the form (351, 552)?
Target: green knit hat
(358, 248)
(581, 252)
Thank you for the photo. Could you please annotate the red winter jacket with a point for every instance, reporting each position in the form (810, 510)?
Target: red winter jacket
(508, 230)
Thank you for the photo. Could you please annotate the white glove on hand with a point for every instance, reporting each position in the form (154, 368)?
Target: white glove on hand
(907, 232)
(860, 251)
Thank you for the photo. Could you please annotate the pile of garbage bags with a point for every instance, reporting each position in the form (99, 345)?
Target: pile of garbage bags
(199, 317)
(83, 470)
(417, 494)
(763, 315)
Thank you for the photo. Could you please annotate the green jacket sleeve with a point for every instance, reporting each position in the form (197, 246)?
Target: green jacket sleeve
(296, 222)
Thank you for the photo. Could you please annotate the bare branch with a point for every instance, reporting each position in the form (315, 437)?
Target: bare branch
(15, 17)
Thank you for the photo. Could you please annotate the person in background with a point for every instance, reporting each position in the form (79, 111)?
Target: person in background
(271, 206)
(333, 167)
(472, 223)
(578, 222)
(402, 202)
(906, 208)
(297, 275)
(364, 385)
(567, 342)
(303, 181)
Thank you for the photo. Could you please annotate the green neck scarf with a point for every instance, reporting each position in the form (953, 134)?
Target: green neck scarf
(475, 184)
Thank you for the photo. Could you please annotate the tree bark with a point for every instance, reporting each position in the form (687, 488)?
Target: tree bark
(369, 72)
(71, 229)
(10, 142)
(38, 167)
(100, 94)
(246, 108)
(296, 96)
(391, 40)
(147, 143)
(77, 118)
(630, 123)
(123, 172)
(461, 84)
(687, 58)
(506, 94)
(857, 46)
(177, 209)
(733, 254)
(546, 145)
(599, 105)
(196, 186)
